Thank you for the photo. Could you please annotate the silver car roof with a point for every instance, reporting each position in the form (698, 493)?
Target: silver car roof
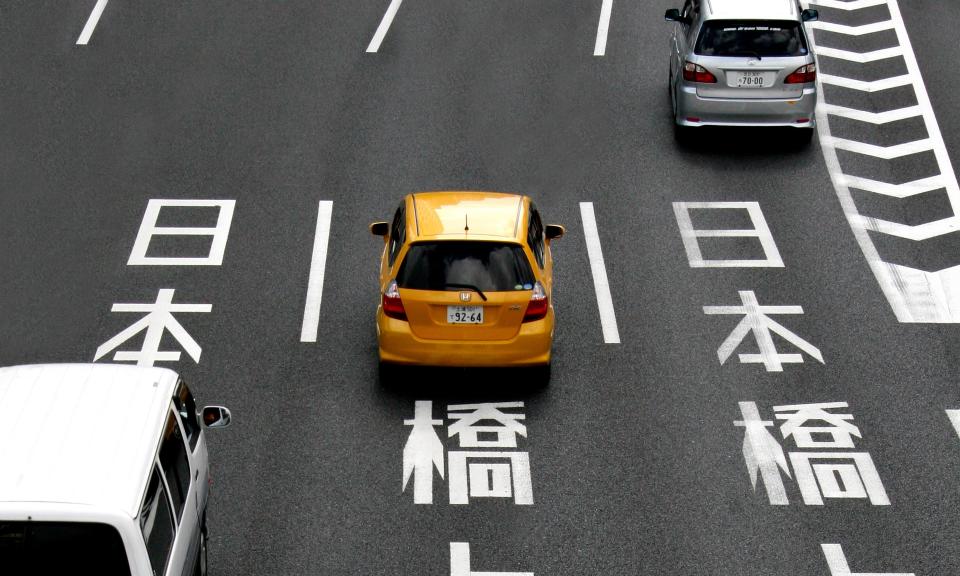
(750, 10)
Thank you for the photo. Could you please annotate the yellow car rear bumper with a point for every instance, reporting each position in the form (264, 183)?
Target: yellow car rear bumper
(530, 347)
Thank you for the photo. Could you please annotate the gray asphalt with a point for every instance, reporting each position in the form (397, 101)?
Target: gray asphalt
(636, 464)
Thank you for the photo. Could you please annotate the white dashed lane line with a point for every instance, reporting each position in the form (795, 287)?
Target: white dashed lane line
(92, 22)
(321, 239)
(954, 416)
(608, 318)
(384, 26)
(600, 48)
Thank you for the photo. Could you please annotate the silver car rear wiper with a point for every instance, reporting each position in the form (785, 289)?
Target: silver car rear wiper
(467, 286)
(748, 53)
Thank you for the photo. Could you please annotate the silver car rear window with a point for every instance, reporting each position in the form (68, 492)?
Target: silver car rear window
(751, 38)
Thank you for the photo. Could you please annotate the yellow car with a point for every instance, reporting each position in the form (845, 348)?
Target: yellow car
(465, 280)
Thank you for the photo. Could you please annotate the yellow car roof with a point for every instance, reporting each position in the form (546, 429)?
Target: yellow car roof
(465, 215)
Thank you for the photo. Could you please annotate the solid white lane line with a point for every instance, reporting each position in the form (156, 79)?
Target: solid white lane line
(955, 419)
(92, 22)
(600, 48)
(311, 311)
(384, 25)
(608, 319)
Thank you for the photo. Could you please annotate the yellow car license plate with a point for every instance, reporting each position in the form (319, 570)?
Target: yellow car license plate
(464, 314)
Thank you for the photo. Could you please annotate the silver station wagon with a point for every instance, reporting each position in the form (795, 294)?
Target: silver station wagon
(742, 63)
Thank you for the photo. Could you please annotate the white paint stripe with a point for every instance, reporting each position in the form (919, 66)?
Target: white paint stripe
(848, 6)
(954, 416)
(608, 318)
(861, 57)
(864, 86)
(384, 25)
(311, 312)
(904, 190)
(884, 152)
(873, 117)
(600, 48)
(852, 30)
(915, 295)
(92, 22)
(918, 233)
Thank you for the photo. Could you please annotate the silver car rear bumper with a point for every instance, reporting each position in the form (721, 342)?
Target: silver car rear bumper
(796, 112)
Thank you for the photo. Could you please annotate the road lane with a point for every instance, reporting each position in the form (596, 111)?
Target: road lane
(636, 463)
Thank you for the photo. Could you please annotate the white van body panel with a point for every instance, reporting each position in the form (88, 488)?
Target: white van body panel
(79, 443)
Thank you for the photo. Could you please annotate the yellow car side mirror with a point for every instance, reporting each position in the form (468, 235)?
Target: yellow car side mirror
(554, 231)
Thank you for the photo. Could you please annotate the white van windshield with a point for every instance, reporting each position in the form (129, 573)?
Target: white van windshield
(62, 548)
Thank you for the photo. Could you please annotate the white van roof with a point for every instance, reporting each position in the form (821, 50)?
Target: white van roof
(751, 9)
(82, 434)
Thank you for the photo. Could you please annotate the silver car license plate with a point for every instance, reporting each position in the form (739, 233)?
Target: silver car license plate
(750, 79)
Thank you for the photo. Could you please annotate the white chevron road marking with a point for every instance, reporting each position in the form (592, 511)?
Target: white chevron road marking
(919, 232)
(884, 152)
(904, 190)
(914, 295)
(852, 30)
(861, 57)
(873, 117)
(848, 6)
(864, 85)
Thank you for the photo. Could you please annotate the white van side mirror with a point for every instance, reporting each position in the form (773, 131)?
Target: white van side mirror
(215, 417)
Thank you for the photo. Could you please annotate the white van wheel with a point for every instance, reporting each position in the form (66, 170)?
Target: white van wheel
(201, 569)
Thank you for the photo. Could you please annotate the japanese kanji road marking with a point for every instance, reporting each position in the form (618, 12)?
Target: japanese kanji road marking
(763, 454)
(321, 238)
(608, 318)
(159, 318)
(384, 26)
(837, 562)
(600, 48)
(756, 320)
(475, 473)
(500, 480)
(954, 416)
(91, 24)
(819, 474)
(148, 229)
(422, 453)
(460, 563)
(914, 295)
(760, 231)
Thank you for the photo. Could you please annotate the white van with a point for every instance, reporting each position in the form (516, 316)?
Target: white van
(103, 470)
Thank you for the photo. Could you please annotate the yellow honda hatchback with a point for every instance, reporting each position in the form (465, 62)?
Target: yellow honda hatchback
(466, 280)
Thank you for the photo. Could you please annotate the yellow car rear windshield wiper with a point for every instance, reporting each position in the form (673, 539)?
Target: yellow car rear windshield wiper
(467, 286)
